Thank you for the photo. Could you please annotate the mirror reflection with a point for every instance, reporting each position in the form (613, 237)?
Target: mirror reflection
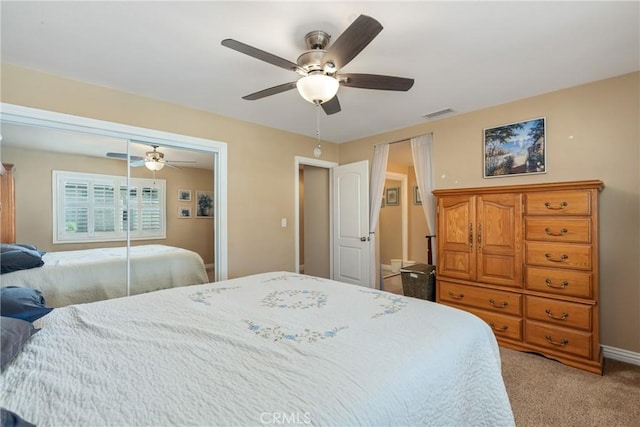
(103, 226)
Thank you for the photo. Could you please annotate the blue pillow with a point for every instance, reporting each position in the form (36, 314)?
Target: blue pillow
(6, 247)
(15, 333)
(11, 419)
(19, 258)
(22, 303)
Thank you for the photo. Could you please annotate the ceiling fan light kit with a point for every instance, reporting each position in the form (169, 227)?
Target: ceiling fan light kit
(320, 68)
(153, 165)
(153, 160)
(318, 88)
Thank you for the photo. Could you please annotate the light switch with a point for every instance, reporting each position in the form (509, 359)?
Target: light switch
(284, 222)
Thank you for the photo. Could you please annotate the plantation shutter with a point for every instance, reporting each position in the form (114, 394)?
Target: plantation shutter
(104, 208)
(151, 214)
(76, 207)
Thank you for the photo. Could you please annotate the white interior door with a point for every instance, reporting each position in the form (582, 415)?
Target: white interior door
(351, 244)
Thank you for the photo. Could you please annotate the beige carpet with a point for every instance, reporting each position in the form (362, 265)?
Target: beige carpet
(547, 393)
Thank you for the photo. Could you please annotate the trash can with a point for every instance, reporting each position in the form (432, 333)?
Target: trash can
(419, 281)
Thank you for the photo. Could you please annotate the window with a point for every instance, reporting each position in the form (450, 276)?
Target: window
(97, 208)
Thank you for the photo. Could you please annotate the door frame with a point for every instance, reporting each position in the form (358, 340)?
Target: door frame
(404, 209)
(307, 161)
(28, 116)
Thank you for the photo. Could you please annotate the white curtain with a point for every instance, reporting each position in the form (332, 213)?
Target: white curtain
(421, 148)
(378, 173)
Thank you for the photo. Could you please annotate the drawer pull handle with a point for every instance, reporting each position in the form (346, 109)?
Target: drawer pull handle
(502, 329)
(454, 296)
(560, 207)
(493, 303)
(562, 258)
(563, 316)
(551, 233)
(562, 285)
(560, 343)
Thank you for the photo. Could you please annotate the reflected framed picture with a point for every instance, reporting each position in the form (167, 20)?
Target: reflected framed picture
(417, 199)
(393, 196)
(184, 212)
(184, 195)
(204, 204)
(515, 149)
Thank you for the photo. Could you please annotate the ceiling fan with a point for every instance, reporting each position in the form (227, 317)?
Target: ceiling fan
(319, 67)
(153, 160)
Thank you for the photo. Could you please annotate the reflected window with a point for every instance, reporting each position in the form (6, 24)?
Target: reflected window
(95, 208)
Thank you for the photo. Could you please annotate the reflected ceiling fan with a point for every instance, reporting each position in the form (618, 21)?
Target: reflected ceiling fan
(320, 67)
(153, 160)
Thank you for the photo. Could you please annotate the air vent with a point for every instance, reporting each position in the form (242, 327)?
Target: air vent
(433, 115)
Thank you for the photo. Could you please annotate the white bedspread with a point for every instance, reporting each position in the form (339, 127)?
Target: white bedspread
(74, 277)
(270, 349)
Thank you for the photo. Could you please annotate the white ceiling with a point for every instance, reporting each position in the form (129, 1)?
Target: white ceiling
(462, 55)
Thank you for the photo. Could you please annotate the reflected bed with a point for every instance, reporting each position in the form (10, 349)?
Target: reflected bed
(74, 277)
(259, 350)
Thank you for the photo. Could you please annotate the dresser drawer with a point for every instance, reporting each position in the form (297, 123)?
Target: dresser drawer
(562, 313)
(486, 299)
(559, 282)
(558, 203)
(574, 230)
(561, 255)
(558, 338)
(503, 326)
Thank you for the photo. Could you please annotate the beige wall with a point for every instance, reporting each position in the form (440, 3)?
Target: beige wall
(593, 132)
(260, 159)
(33, 174)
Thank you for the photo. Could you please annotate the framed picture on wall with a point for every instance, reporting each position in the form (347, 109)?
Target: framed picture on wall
(204, 204)
(393, 196)
(184, 211)
(515, 149)
(184, 195)
(417, 199)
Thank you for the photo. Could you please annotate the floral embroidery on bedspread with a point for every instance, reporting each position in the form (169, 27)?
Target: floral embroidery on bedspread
(204, 295)
(295, 299)
(286, 277)
(277, 334)
(393, 303)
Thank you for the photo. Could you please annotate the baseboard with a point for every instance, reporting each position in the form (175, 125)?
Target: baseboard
(621, 355)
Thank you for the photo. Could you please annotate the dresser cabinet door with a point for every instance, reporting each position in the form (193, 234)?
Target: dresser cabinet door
(499, 239)
(456, 237)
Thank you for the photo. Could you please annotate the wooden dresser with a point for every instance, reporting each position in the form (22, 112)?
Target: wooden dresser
(524, 258)
(7, 208)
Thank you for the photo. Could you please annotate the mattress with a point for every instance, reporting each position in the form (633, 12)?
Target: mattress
(82, 276)
(273, 348)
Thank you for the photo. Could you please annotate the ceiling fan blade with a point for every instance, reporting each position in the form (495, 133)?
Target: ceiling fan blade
(351, 42)
(261, 55)
(123, 156)
(332, 106)
(271, 91)
(374, 81)
(137, 163)
(178, 161)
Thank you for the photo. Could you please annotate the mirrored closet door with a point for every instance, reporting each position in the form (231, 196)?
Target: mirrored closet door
(91, 194)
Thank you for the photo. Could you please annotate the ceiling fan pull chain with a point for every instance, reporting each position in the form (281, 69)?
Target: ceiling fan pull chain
(317, 151)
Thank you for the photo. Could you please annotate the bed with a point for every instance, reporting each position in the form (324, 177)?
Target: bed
(273, 348)
(81, 276)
